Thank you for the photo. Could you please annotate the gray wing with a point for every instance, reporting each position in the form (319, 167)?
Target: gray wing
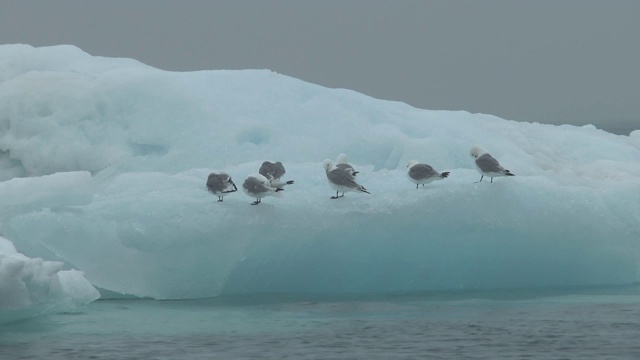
(488, 164)
(267, 169)
(342, 178)
(272, 170)
(254, 186)
(278, 170)
(422, 171)
(220, 183)
(215, 182)
(345, 167)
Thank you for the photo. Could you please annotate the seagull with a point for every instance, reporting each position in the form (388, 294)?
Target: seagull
(487, 164)
(273, 172)
(341, 180)
(220, 184)
(258, 186)
(423, 174)
(342, 163)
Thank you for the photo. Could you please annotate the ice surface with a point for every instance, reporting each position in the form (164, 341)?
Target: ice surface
(30, 286)
(104, 163)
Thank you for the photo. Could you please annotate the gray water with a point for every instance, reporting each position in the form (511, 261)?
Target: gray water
(601, 323)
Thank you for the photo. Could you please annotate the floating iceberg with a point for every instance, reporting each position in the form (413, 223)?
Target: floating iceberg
(29, 287)
(104, 163)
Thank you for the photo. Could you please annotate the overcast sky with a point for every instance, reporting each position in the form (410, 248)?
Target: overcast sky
(550, 61)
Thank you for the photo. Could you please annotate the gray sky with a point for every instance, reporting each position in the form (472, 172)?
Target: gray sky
(549, 61)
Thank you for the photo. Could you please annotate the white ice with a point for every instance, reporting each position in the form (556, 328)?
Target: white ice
(104, 163)
(31, 286)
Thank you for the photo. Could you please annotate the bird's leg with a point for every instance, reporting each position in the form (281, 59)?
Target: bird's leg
(416, 186)
(256, 202)
(335, 197)
(492, 180)
(481, 176)
(220, 199)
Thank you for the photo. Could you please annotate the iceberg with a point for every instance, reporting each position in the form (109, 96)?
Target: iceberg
(30, 287)
(103, 164)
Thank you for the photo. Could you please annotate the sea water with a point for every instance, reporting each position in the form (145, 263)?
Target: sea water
(573, 323)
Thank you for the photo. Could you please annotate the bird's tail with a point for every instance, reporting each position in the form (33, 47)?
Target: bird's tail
(279, 184)
(445, 174)
(509, 173)
(231, 189)
(362, 189)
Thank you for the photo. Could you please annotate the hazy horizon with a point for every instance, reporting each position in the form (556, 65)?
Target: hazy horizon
(552, 62)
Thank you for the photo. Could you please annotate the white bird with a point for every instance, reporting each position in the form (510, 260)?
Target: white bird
(274, 172)
(220, 184)
(487, 164)
(341, 180)
(258, 186)
(423, 174)
(342, 163)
